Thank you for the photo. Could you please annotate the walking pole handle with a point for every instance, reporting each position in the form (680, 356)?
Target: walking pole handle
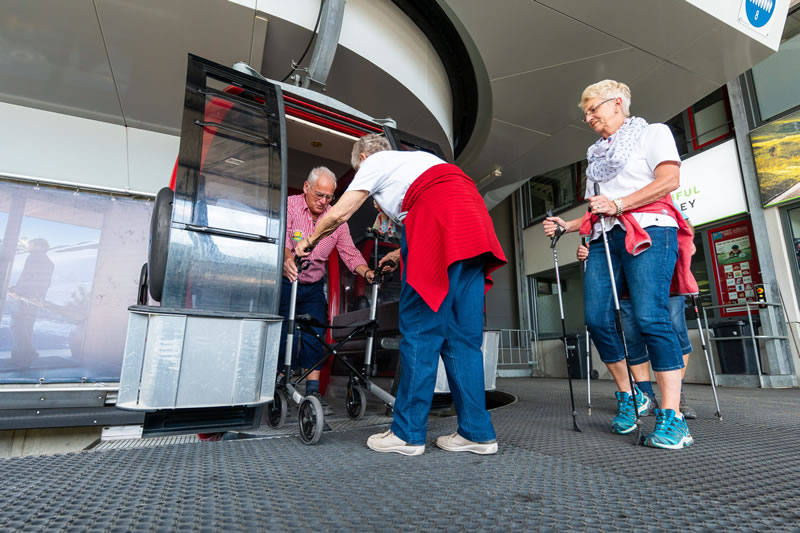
(560, 230)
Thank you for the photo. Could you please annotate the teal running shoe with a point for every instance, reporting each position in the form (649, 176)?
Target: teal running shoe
(670, 433)
(625, 421)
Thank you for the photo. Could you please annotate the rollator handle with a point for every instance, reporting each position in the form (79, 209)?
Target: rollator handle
(302, 263)
(385, 275)
(560, 230)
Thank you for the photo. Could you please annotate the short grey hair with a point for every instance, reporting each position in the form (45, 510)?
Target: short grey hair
(368, 144)
(316, 172)
(608, 89)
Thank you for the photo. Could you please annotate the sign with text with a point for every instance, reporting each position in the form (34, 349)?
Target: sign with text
(711, 185)
(735, 266)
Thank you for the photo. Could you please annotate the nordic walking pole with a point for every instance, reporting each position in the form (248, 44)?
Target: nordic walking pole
(553, 241)
(708, 360)
(588, 348)
(618, 314)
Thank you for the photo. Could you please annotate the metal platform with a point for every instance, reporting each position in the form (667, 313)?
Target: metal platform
(741, 474)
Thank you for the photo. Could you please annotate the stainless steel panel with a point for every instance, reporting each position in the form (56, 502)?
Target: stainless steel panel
(489, 349)
(147, 43)
(162, 361)
(217, 273)
(133, 359)
(44, 399)
(201, 361)
(54, 58)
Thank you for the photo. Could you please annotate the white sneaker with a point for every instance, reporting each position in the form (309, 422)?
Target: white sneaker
(389, 442)
(457, 443)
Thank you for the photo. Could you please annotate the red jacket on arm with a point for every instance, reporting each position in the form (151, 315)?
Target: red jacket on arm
(637, 241)
(447, 221)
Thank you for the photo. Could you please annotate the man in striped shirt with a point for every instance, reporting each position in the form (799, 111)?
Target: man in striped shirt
(302, 214)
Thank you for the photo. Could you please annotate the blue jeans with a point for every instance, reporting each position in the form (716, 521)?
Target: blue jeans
(455, 331)
(311, 301)
(637, 350)
(647, 276)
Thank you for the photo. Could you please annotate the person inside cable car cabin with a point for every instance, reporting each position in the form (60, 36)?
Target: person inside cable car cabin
(303, 213)
(449, 249)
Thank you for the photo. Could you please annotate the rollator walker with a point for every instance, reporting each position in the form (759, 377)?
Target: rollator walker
(310, 416)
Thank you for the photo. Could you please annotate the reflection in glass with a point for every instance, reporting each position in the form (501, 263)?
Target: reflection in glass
(794, 221)
(69, 268)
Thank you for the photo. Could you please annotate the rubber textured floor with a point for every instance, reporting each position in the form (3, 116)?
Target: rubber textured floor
(740, 475)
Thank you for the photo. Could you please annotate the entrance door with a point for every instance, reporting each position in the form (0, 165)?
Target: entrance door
(225, 250)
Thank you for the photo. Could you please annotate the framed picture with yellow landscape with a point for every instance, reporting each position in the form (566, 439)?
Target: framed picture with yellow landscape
(776, 149)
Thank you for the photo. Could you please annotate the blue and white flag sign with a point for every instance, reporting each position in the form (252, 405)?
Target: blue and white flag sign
(757, 13)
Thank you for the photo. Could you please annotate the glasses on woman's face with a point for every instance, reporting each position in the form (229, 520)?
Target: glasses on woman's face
(320, 196)
(592, 110)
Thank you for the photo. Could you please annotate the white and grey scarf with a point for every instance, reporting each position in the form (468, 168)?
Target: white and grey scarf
(607, 157)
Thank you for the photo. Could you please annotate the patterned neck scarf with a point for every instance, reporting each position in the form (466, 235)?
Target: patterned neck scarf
(607, 157)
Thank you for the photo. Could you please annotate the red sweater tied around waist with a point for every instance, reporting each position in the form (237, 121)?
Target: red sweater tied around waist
(637, 240)
(446, 221)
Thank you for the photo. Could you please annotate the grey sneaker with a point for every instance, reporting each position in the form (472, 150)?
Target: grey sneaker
(687, 411)
(326, 409)
(389, 442)
(457, 443)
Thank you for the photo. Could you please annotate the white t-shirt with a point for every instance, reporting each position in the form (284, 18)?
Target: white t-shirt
(387, 175)
(656, 145)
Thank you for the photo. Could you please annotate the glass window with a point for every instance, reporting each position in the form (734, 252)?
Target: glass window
(777, 78)
(547, 312)
(710, 119)
(700, 271)
(677, 125)
(552, 190)
(794, 222)
(69, 269)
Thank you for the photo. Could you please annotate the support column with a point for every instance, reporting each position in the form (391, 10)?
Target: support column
(778, 357)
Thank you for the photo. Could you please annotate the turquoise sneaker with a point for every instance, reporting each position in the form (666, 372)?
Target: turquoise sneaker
(670, 433)
(625, 421)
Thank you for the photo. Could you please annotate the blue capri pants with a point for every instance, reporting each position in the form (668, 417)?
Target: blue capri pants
(647, 277)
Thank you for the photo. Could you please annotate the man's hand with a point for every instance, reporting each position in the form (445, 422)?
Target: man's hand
(550, 224)
(369, 275)
(390, 261)
(583, 253)
(289, 268)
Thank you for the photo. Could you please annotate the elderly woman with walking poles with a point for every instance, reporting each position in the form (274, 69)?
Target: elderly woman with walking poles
(641, 240)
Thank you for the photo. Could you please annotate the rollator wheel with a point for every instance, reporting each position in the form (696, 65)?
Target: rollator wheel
(277, 409)
(311, 420)
(356, 401)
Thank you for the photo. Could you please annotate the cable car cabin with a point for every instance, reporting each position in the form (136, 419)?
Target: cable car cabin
(205, 359)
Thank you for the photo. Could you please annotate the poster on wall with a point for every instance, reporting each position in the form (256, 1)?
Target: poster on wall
(776, 150)
(711, 185)
(735, 266)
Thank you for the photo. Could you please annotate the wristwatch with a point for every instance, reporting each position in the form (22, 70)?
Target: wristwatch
(618, 203)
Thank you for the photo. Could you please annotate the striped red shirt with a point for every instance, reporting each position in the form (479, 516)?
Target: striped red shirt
(300, 225)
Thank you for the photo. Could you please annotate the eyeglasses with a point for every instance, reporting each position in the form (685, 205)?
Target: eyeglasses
(320, 196)
(592, 110)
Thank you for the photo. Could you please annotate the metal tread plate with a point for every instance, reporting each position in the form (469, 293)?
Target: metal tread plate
(740, 475)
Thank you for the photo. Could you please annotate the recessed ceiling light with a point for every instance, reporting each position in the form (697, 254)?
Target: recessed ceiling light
(316, 144)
